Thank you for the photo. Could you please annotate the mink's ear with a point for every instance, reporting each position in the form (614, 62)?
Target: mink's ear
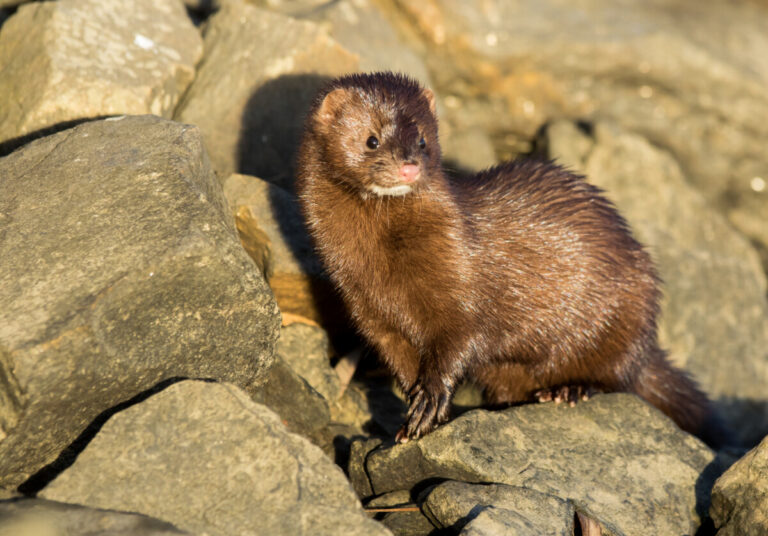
(427, 93)
(332, 102)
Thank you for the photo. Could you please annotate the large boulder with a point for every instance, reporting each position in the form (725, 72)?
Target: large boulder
(259, 74)
(71, 60)
(211, 461)
(615, 458)
(714, 317)
(121, 269)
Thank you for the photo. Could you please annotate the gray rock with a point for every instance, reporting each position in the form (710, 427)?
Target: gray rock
(364, 28)
(692, 79)
(740, 496)
(361, 27)
(12, 3)
(492, 521)
(208, 459)
(306, 349)
(259, 74)
(302, 409)
(714, 320)
(617, 459)
(272, 230)
(277, 214)
(353, 407)
(358, 456)
(121, 269)
(407, 522)
(79, 59)
(36, 517)
(453, 504)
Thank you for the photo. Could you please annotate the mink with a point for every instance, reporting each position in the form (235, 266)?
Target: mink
(523, 278)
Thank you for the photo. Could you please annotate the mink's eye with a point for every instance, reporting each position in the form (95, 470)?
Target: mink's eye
(372, 142)
(422, 144)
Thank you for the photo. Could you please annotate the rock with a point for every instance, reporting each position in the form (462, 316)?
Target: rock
(36, 517)
(208, 459)
(120, 270)
(617, 459)
(714, 312)
(740, 496)
(352, 408)
(358, 455)
(301, 408)
(272, 230)
(256, 82)
(68, 61)
(306, 349)
(362, 28)
(12, 3)
(693, 81)
(466, 149)
(408, 522)
(276, 212)
(494, 520)
(453, 504)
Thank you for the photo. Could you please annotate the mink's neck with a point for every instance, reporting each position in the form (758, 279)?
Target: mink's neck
(380, 229)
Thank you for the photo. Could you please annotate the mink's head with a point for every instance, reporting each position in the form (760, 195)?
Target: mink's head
(375, 133)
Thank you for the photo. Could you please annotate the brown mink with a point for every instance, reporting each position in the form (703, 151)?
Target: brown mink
(523, 278)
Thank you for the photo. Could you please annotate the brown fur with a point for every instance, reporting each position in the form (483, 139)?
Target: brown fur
(522, 278)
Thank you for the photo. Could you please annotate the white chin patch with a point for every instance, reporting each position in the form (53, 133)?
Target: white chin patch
(400, 189)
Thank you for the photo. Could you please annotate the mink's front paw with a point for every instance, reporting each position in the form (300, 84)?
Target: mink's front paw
(428, 408)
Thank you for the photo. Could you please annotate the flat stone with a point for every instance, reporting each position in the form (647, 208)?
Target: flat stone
(121, 269)
(454, 504)
(614, 457)
(208, 459)
(71, 60)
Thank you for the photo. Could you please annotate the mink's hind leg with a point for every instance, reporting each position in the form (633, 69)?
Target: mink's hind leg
(565, 393)
(505, 383)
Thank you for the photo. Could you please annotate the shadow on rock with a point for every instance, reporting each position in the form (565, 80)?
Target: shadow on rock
(272, 125)
(10, 145)
(751, 410)
(271, 130)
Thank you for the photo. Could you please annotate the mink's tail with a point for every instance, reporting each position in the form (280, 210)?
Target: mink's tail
(673, 392)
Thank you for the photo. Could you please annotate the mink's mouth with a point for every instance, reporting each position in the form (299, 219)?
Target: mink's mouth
(403, 182)
(395, 190)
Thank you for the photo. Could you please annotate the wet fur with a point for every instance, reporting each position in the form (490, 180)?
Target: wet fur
(521, 278)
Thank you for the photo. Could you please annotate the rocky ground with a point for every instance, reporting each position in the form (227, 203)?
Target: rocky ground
(173, 359)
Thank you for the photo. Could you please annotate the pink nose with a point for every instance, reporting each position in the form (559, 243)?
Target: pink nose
(409, 172)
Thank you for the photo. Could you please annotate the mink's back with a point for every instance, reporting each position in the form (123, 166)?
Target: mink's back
(556, 267)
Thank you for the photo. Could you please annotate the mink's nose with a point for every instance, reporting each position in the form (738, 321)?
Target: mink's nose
(409, 172)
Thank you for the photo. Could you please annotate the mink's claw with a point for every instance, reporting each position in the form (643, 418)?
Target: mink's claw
(565, 393)
(427, 408)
